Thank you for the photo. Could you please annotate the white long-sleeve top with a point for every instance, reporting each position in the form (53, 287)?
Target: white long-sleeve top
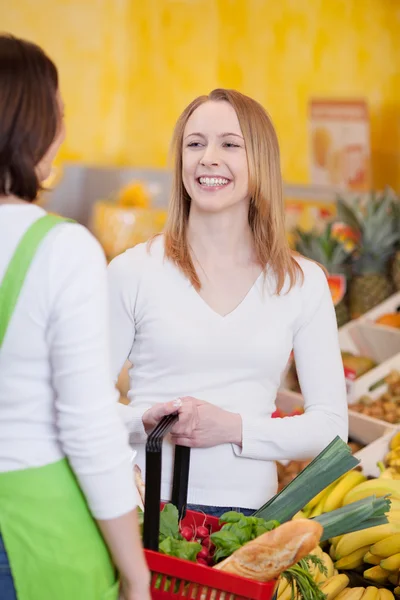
(57, 397)
(179, 346)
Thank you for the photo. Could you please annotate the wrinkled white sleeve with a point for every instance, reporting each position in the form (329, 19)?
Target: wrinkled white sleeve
(90, 431)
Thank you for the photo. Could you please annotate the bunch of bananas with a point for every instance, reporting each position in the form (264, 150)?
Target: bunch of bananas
(376, 551)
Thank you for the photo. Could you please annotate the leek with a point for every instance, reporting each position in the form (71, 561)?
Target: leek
(327, 467)
(368, 512)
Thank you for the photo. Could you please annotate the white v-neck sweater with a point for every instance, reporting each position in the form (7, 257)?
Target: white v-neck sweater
(180, 347)
(57, 397)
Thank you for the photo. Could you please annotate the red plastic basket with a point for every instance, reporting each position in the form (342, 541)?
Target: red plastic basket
(176, 579)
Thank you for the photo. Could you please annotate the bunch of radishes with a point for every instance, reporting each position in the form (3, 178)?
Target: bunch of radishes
(201, 535)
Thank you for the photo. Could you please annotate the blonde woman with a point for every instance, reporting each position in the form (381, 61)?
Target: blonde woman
(209, 312)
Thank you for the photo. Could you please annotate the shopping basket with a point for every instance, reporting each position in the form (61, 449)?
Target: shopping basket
(174, 578)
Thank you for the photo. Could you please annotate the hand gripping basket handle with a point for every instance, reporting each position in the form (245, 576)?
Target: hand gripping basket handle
(151, 525)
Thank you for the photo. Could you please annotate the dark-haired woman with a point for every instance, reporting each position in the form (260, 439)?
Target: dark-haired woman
(67, 498)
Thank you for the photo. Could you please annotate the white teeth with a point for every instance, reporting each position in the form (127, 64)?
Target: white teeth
(213, 181)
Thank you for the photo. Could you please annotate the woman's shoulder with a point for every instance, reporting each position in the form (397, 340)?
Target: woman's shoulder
(71, 239)
(142, 257)
(312, 278)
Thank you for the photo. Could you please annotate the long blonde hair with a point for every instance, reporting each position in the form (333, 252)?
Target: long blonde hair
(266, 211)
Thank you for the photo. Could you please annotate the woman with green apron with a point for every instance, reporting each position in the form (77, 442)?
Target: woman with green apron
(68, 524)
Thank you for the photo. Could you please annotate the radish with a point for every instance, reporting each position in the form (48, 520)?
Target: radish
(206, 542)
(202, 561)
(202, 532)
(203, 554)
(187, 533)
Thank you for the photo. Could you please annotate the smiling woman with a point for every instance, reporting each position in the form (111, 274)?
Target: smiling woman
(209, 312)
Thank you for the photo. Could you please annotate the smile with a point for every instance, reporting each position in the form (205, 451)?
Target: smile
(213, 181)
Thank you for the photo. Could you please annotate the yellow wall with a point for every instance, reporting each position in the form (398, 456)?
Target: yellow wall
(129, 67)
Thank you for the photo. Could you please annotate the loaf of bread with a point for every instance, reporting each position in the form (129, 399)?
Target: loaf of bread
(265, 557)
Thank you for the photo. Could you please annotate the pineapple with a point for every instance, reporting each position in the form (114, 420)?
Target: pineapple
(373, 223)
(330, 253)
(396, 258)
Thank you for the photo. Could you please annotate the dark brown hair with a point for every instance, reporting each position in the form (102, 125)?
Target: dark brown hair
(29, 114)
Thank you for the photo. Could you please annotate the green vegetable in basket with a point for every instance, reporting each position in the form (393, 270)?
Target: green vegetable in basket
(180, 548)
(237, 531)
(169, 523)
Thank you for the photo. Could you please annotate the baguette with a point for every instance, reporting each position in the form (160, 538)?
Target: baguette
(265, 557)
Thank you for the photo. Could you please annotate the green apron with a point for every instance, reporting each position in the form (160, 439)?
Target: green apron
(54, 547)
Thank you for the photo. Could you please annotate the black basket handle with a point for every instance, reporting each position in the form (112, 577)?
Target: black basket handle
(151, 524)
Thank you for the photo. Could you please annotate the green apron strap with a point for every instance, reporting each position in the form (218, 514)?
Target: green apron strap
(18, 267)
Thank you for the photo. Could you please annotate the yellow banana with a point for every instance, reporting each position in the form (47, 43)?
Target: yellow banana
(299, 515)
(335, 540)
(317, 510)
(394, 515)
(376, 574)
(395, 441)
(287, 593)
(385, 594)
(371, 559)
(282, 585)
(357, 539)
(317, 499)
(348, 482)
(332, 552)
(317, 551)
(335, 572)
(391, 563)
(394, 504)
(387, 547)
(334, 585)
(351, 594)
(319, 577)
(353, 560)
(371, 593)
(374, 487)
(328, 562)
(343, 595)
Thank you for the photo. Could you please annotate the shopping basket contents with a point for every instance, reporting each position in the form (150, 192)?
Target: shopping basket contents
(251, 561)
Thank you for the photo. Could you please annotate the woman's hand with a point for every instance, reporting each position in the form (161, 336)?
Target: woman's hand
(203, 425)
(153, 415)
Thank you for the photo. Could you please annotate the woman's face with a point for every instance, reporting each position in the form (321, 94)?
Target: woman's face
(44, 167)
(214, 160)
